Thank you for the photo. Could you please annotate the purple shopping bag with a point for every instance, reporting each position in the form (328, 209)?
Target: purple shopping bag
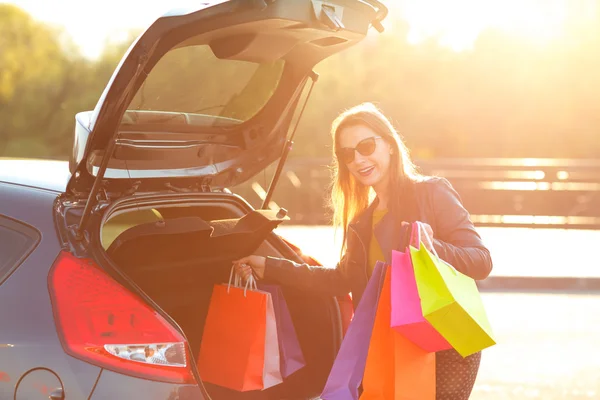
(349, 365)
(291, 357)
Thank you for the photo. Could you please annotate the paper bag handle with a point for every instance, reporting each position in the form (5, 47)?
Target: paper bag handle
(429, 241)
(415, 231)
(417, 227)
(237, 282)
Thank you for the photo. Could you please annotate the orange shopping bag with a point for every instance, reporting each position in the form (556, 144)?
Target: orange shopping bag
(396, 367)
(240, 347)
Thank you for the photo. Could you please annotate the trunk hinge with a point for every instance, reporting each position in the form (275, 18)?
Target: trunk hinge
(288, 146)
(102, 195)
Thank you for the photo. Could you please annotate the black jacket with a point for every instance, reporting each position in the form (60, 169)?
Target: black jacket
(433, 201)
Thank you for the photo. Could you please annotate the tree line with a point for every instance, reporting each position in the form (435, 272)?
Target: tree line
(506, 97)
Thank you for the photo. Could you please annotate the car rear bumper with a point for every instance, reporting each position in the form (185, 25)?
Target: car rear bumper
(114, 386)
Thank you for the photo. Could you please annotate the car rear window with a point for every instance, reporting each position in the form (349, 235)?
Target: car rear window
(192, 79)
(16, 243)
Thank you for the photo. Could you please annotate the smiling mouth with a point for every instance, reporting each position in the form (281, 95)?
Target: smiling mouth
(366, 171)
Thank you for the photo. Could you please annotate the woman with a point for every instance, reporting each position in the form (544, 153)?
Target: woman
(369, 154)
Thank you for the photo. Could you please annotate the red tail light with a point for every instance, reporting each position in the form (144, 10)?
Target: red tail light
(103, 323)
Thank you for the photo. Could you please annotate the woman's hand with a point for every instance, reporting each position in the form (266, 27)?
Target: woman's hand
(246, 265)
(426, 234)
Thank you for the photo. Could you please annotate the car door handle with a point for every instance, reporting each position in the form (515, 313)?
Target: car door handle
(57, 394)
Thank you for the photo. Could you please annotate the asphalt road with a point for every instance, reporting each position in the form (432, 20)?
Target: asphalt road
(548, 348)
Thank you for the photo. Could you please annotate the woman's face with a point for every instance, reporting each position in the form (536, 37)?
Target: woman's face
(371, 168)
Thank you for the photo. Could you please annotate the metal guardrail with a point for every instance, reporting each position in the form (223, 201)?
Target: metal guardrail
(551, 193)
(536, 284)
(533, 193)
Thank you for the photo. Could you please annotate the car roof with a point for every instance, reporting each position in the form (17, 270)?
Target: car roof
(45, 174)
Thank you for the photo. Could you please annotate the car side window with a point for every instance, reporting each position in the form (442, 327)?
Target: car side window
(17, 241)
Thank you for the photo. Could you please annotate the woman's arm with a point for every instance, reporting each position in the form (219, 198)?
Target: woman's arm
(456, 240)
(329, 281)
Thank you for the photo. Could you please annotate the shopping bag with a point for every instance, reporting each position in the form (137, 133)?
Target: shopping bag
(239, 348)
(407, 314)
(451, 302)
(272, 356)
(396, 368)
(349, 365)
(290, 352)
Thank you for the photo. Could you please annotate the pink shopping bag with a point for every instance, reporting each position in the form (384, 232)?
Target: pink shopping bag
(407, 314)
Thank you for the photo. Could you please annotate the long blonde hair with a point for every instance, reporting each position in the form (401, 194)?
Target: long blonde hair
(349, 197)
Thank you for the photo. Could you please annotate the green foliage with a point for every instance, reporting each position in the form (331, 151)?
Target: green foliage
(44, 82)
(503, 98)
(192, 79)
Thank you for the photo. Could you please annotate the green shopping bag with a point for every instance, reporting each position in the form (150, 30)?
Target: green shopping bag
(451, 302)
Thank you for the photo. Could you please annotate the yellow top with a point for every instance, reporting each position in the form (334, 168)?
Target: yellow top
(375, 253)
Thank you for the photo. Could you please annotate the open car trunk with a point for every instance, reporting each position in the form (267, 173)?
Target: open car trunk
(204, 100)
(177, 248)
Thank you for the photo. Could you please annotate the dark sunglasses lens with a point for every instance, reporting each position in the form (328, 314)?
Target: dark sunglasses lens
(366, 147)
(346, 155)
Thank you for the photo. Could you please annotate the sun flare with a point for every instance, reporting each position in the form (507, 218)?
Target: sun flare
(457, 24)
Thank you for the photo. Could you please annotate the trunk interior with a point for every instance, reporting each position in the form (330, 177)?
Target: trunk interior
(176, 252)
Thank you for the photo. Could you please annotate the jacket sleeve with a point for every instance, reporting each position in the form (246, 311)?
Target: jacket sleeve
(456, 240)
(327, 281)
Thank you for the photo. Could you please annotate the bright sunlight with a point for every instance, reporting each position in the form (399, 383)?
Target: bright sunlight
(457, 24)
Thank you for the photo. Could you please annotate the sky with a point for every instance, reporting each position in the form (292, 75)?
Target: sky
(455, 23)
(92, 23)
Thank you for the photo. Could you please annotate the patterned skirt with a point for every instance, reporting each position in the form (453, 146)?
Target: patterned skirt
(455, 375)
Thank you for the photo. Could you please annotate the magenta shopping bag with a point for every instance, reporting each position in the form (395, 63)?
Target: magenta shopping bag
(407, 314)
(349, 365)
(291, 356)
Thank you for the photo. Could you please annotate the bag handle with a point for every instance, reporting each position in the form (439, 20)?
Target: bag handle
(415, 236)
(237, 282)
(430, 242)
(417, 227)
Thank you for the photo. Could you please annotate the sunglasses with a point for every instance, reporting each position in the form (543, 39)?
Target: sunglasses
(365, 147)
